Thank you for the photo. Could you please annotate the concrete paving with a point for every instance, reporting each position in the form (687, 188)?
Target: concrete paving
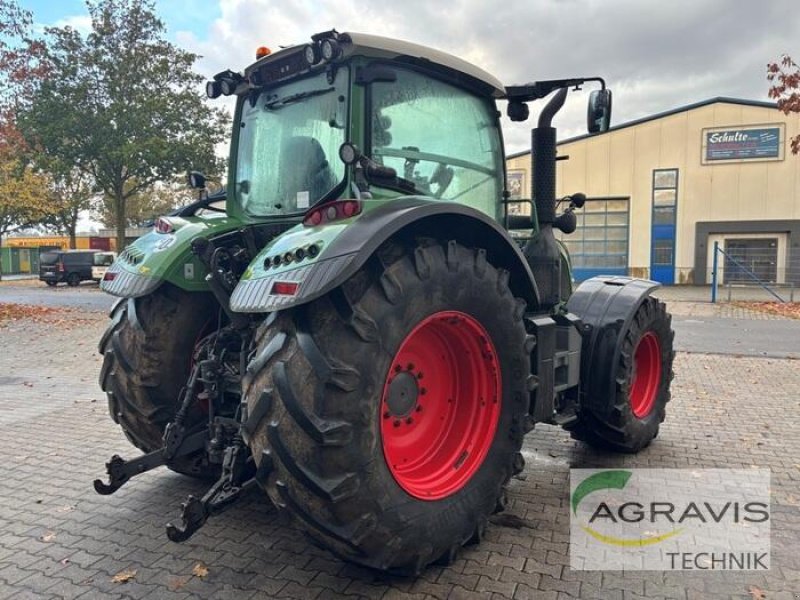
(58, 539)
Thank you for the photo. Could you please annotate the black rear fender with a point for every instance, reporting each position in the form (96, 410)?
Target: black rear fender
(606, 307)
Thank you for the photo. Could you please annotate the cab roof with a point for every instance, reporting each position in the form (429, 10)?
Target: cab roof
(378, 46)
(375, 46)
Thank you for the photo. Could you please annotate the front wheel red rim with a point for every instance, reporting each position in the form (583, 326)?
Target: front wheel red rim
(440, 405)
(646, 375)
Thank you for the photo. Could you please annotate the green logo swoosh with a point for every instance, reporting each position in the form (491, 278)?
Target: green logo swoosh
(599, 481)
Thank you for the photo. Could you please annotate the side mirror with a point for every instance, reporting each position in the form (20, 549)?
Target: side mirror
(197, 181)
(598, 114)
(518, 111)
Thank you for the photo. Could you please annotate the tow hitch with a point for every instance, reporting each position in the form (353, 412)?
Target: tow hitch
(228, 488)
(213, 386)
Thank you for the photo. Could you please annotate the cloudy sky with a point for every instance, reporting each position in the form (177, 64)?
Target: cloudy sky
(655, 55)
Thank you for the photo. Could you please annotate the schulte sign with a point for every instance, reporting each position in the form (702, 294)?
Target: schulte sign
(733, 144)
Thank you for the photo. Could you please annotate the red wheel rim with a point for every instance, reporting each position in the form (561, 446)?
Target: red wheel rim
(440, 405)
(646, 375)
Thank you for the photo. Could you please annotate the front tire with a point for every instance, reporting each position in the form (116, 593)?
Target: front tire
(334, 379)
(642, 378)
(147, 353)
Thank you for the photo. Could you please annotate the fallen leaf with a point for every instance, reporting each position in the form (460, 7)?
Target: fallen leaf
(200, 570)
(64, 561)
(48, 536)
(757, 593)
(174, 584)
(124, 576)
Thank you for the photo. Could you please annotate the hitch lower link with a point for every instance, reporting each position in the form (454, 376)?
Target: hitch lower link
(232, 483)
(176, 443)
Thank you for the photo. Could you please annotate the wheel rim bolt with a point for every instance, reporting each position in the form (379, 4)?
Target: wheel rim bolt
(396, 423)
(409, 420)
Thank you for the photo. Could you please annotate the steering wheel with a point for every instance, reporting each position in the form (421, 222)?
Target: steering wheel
(442, 177)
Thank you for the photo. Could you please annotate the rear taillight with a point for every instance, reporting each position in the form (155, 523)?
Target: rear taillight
(61, 267)
(332, 211)
(161, 225)
(284, 288)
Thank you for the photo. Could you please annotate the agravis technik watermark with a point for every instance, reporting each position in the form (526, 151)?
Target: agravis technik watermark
(669, 519)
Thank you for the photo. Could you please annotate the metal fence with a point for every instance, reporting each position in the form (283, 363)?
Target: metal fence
(754, 264)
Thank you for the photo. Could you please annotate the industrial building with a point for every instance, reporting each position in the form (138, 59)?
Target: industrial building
(664, 188)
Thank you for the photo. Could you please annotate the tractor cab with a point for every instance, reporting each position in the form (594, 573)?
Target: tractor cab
(425, 124)
(425, 121)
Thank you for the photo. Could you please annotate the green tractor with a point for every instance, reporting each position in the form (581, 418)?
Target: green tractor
(364, 329)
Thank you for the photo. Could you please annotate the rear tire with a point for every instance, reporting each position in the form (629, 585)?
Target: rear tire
(51, 283)
(642, 379)
(321, 379)
(147, 352)
(73, 280)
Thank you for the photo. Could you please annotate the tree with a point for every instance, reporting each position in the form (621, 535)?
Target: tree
(23, 193)
(785, 75)
(145, 205)
(22, 58)
(71, 192)
(122, 104)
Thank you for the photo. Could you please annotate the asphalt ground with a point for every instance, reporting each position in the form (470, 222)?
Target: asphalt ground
(699, 326)
(87, 296)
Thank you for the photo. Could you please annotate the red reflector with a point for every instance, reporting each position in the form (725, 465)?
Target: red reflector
(284, 288)
(332, 211)
(314, 219)
(110, 276)
(350, 208)
(163, 226)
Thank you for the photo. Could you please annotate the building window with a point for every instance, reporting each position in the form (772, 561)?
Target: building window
(665, 196)
(663, 252)
(599, 245)
(662, 229)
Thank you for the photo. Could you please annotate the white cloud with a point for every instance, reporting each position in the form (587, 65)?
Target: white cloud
(80, 23)
(654, 55)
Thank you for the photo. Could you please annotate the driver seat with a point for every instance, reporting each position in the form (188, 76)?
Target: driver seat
(307, 169)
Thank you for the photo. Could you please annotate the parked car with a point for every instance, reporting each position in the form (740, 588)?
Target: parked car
(70, 266)
(102, 260)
